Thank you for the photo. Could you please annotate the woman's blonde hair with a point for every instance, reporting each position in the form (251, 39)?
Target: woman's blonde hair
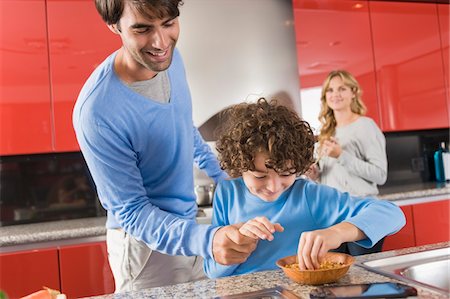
(326, 115)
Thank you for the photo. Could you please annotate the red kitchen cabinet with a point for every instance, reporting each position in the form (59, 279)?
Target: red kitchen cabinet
(25, 104)
(335, 34)
(405, 237)
(431, 222)
(78, 42)
(85, 270)
(444, 21)
(409, 65)
(25, 272)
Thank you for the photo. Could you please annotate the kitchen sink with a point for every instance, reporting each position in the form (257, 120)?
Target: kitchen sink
(432, 273)
(429, 268)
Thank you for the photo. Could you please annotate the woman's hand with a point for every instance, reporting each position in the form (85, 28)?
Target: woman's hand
(313, 172)
(331, 147)
(260, 228)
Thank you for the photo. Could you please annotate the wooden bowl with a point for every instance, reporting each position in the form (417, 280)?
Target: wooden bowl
(319, 276)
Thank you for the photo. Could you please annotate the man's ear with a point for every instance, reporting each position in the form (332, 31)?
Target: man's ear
(114, 29)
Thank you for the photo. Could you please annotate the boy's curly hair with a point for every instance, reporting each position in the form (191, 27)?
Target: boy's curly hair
(268, 127)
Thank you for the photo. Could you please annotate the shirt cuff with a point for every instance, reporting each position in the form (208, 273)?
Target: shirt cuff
(372, 237)
(209, 250)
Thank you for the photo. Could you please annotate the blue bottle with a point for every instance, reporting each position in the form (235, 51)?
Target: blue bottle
(439, 163)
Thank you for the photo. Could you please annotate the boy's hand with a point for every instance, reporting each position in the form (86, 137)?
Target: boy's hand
(230, 247)
(260, 228)
(313, 246)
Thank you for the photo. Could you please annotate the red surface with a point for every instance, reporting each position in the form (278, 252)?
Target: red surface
(85, 270)
(28, 271)
(405, 237)
(444, 22)
(408, 62)
(79, 40)
(431, 221)
(25, 111)
(335, 34)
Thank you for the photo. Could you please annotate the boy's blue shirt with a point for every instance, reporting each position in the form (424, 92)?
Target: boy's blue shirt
(305, 206)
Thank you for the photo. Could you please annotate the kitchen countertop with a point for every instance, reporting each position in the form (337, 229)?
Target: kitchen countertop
(50, 234)
(47, 234)
(232, 285)
(414, 191)
(408, 189)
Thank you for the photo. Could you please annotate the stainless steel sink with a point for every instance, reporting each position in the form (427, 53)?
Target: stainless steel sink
(432, 273)
(427, 268)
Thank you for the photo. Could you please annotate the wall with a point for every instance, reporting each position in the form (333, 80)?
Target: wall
(238, 50)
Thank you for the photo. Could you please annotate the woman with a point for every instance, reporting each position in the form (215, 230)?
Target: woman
(351, 150)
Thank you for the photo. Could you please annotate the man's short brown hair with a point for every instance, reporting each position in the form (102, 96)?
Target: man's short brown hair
(111, 10)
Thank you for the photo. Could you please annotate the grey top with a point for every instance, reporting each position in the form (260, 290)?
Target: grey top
(157, 88)
(363, 162)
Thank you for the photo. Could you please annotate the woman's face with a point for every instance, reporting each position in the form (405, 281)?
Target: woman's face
(266, 183)
(338, 95)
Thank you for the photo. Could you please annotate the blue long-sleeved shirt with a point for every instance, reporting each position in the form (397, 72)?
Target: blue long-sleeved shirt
(140, 154)
(305, 206)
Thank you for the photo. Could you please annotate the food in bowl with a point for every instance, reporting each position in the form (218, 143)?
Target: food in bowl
(323, 265)
(333, 266)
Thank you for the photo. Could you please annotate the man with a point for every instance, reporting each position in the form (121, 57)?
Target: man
(133, 120)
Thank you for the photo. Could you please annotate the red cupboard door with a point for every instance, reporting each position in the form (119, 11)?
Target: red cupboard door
(26, 272)
(444, 21)
(330, 35)
(405, 237)
(85, 270)
(25, 105)
(408, 62)
(79, 41)
(431, 222)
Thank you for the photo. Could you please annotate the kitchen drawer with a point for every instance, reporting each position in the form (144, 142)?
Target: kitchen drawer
(25, 272)
(85, 270)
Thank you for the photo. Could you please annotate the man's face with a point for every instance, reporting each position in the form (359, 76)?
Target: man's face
(148, 44)
(266, 183)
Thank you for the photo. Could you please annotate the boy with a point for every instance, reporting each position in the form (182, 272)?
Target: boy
(265, 147)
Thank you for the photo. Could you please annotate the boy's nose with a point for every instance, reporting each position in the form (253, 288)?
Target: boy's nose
(272, 185)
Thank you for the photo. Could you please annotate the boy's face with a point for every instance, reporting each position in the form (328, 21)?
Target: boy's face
(266, 183)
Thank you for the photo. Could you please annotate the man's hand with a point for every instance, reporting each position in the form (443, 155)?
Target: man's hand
(231, 247)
